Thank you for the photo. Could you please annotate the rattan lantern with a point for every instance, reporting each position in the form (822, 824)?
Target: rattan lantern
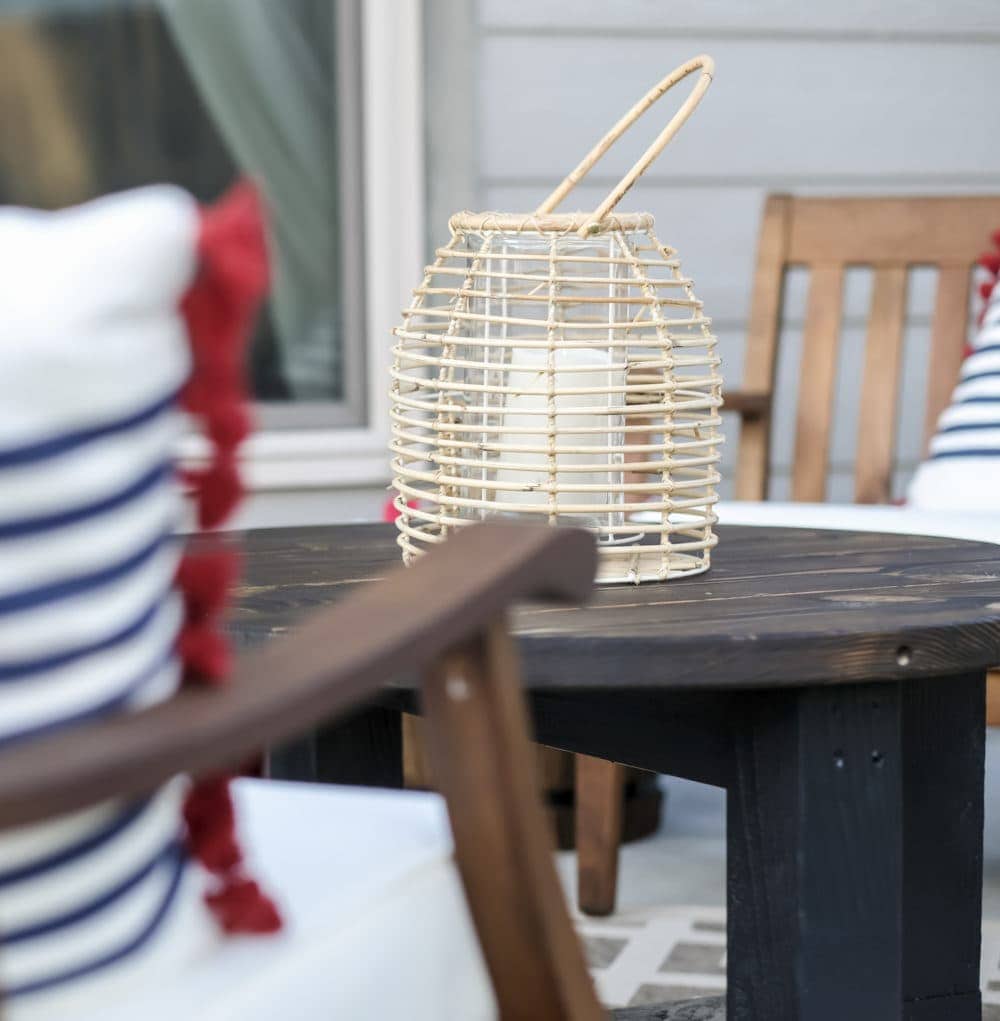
(558, 367)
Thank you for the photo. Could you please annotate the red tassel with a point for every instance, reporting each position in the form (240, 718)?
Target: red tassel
(219, 309)
(204, 653)
(218, 850)
(211, 820)
(238, 903)
(242, 907)
(390, 511)
(986, 289)
(194, 396)
(209, 800)
(205, 578)
(229, 424)
(218, 489)
(232, 236)
(990, 261)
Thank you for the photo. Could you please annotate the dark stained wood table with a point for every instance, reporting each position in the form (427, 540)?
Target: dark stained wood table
(832, 682)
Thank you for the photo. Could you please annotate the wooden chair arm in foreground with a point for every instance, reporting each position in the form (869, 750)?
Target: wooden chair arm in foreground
(443, 617)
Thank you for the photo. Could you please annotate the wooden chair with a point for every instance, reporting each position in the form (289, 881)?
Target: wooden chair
(438, 618)
(827, 235)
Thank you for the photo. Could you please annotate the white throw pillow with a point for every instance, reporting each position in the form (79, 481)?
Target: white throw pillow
(95, 348)
(962, 471)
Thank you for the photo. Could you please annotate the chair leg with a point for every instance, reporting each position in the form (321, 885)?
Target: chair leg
(599, 796)
(476, 723)
(993, 698)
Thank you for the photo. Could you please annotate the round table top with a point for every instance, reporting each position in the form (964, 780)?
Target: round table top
(779, 607)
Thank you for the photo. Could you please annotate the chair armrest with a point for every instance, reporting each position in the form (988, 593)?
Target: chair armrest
(746, 403)
(339, 658)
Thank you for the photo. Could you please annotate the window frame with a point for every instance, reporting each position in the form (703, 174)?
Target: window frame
(315, 445)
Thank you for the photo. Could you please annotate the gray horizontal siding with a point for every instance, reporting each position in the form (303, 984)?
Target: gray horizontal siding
(865, 97)
(791, 109)
(865, 19)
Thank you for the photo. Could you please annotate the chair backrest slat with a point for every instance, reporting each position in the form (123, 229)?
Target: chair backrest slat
(762, 344)
(828, 235)
(869, 231)
(814, 420)
(880, 385)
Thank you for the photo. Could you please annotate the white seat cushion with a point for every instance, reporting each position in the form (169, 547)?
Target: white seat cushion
(376, 924)
(981, 527)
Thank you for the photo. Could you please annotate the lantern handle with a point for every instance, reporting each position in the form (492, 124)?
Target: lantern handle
(616, 194)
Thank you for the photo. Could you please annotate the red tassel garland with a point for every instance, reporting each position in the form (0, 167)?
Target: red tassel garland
(219, 309)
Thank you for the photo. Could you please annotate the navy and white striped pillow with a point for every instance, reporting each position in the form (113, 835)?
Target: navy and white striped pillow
(962, 471)
(93, 352)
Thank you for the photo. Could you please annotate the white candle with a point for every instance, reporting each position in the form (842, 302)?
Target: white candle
(529, 372)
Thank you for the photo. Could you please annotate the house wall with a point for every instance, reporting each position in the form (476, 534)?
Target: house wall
(863, 97)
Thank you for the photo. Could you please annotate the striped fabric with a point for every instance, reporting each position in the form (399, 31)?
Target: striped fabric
(93, 352)
(962, 471)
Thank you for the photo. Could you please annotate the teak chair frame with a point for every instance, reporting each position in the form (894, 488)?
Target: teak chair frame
(828, 235)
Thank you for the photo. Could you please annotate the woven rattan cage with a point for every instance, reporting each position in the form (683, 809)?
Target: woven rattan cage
(559, 368)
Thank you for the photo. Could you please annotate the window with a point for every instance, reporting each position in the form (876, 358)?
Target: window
(100, 95)
(281, 82)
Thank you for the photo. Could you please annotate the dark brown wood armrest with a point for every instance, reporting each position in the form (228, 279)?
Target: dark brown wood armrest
(745, 403)
(337, 659)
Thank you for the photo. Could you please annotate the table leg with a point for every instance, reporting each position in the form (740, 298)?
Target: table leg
(600, 791)
(815, 856)
(944, 738)
(364, 749)
(295, 760)
(855, 853)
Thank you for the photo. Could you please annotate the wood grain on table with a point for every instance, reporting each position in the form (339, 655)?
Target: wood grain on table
(779, 607)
